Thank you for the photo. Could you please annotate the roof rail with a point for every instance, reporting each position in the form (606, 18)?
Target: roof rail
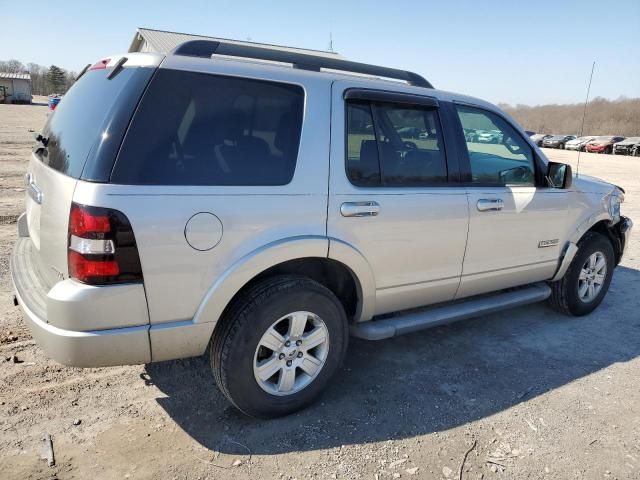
(207, 48)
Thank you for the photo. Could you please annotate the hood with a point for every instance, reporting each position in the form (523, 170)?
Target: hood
(588, 184)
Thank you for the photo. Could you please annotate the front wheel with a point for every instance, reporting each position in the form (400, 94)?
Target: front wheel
(587, 279)
(278, 346)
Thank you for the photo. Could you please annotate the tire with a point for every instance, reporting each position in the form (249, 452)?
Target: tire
(565, 295)
(235, 351)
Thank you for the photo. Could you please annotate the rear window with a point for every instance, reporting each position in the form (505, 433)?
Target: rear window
(91, 117)
(202, 129)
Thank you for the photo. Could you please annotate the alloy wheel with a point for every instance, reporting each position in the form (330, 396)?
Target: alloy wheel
(592, 277)
(291, 353)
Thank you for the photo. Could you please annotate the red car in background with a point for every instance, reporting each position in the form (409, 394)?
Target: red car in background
(602, 144)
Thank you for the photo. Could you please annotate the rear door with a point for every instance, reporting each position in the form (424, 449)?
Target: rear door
(79, 140)
(516, 225)
(391, 196)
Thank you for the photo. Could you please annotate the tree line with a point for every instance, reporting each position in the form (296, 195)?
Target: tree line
(44, 80)
(604, 117)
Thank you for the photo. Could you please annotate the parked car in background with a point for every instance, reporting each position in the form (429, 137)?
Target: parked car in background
(626, 146)
(578, 143)
(538, 138)
(409, 132)
(490, 136)
(602, 144)
(471, 135)
(531, 133)
(557, 141)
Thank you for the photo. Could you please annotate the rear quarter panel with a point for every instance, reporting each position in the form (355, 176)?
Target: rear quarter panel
(177, 277)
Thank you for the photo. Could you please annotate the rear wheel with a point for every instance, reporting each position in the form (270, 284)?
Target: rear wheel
(278, 346)
(587, 280)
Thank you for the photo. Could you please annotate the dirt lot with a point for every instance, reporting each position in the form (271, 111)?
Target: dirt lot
(542, 395)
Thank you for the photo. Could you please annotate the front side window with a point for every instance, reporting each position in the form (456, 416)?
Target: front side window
(498, 155)
(201, 129)
(394, 145)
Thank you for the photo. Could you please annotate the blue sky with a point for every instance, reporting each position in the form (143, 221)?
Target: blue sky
(510, 51)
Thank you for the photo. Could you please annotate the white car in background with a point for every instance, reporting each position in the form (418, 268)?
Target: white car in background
(578, 143)
(490, 136)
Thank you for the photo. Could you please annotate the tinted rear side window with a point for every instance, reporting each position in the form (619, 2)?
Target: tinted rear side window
(394, 145)
(86, 119)
(202, 129)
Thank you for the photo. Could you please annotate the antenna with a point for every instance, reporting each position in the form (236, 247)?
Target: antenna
(330, 41)
(584, 115)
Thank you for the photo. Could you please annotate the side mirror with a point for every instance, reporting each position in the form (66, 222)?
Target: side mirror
(559, 175)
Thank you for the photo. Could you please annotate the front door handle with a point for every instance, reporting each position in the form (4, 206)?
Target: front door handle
(490, 204)
(360, 209)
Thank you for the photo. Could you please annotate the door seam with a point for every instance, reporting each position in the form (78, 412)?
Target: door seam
(466, 245)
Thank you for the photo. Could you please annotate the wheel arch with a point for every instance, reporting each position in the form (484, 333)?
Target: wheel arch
(601, 224)
(609, 231)
(344, 272)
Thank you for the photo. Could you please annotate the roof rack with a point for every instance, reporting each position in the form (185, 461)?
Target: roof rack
(207, 48)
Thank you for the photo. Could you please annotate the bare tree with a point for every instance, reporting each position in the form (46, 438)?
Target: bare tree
(604, 117)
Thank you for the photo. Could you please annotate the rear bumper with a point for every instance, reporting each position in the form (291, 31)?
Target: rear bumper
(63, 319)
(86, 326)
(101, 348)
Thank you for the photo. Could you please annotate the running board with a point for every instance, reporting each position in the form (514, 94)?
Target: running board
(474, 307)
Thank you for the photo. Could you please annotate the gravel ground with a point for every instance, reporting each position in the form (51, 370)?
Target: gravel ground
(533, 394)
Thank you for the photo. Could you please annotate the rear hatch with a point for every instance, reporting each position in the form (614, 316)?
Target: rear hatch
(79, 143)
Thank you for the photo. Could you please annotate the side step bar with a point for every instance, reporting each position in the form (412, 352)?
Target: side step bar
(474, 307)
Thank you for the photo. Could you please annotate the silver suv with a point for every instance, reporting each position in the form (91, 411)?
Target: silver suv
(217, 200)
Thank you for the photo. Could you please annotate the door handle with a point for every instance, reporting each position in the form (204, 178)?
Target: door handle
(490, 204)
(360, 209)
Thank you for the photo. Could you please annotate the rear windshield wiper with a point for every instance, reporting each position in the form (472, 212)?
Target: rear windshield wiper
(42, 140)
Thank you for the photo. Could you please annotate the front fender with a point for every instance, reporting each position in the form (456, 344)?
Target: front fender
(587, 224)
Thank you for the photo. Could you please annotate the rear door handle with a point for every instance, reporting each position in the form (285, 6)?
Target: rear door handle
(360, 209)
(490, 204)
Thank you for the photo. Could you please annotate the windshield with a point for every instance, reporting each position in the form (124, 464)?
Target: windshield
(83, 117)
(632, 139)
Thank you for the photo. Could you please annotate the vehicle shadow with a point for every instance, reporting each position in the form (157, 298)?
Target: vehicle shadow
(416, 384)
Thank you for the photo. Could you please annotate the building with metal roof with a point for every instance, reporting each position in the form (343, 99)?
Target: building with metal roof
(15, 87)
(150, 40)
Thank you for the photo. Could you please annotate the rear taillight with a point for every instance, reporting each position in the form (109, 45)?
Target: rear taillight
(102, 248)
